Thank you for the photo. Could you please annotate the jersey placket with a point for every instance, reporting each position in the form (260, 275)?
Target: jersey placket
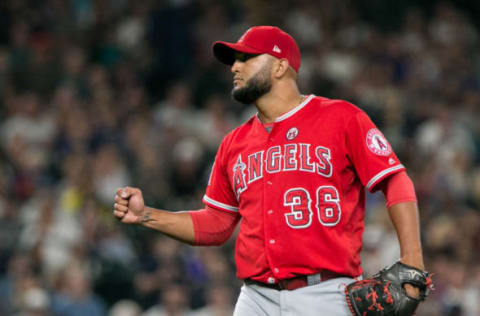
(268, 209)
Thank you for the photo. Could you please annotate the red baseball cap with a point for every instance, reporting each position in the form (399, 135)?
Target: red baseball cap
(260, 40)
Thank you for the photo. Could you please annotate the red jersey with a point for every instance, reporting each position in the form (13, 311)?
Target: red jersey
(300, 188)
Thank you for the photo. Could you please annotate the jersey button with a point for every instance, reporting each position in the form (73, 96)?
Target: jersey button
(269, 182)
(271, 280)
(270, 212)
(272, 241)
(276, 270)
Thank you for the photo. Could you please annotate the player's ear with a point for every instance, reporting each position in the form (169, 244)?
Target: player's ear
(280, 68)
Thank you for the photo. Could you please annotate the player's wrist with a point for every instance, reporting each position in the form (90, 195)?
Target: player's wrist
(414, 259)
(146, 217)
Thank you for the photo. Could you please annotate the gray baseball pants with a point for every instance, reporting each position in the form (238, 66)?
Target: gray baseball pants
(323, 299)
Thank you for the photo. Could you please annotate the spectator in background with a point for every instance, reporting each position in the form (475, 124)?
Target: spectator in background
(109, 171)
(219, 302)
(34, 302)
(176, 111)
(173, 301)
(73, 295)
(28, 128)
(125, 308)
(213, 122)
(52, 233)
(18, 277)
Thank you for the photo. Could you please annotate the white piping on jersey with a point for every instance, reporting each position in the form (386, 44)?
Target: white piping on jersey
(220, 204)
(381, 174)
(295, 109)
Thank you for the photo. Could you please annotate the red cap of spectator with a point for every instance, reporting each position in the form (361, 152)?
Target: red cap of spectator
(260, 40)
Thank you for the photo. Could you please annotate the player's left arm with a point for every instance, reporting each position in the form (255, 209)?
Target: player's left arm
(403, 210)
(404, 217)
(402, 206)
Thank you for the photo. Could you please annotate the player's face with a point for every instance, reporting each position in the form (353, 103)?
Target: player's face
(252, 77)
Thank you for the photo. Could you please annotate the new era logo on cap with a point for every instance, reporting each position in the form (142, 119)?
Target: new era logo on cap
(260, 40)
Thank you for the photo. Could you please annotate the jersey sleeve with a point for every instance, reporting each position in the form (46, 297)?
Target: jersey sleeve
(371, 154)
(219, 193)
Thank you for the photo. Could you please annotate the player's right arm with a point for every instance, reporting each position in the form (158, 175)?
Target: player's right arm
(210, 226)
(130, 208)
(202, 227)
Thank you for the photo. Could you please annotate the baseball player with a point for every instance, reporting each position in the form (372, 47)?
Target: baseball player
(294, 176)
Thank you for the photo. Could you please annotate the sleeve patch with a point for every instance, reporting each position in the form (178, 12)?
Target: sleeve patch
(377, 143)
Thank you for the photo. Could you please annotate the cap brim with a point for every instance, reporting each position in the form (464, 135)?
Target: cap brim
(225, 51)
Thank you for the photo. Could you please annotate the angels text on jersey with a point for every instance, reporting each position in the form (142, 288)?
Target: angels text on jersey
(286, 158)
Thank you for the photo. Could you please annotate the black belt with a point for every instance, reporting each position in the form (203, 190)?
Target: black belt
(298, 281)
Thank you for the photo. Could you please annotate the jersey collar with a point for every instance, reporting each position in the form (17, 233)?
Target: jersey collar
(289, 113)
(295, 109)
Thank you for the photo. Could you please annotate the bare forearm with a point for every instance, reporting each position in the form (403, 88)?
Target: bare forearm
(177, 225)
(405, 219)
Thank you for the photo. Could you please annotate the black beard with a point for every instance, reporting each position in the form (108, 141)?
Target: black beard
(255, 87)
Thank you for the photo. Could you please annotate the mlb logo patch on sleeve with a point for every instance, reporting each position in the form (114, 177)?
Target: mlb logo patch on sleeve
(377, 143)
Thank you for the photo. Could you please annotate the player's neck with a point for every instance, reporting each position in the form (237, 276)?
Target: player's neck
(277, 102)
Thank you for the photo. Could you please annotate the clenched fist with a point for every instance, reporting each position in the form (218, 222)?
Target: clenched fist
(129, 205)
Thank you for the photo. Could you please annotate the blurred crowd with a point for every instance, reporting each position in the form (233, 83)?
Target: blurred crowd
(99, 94)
